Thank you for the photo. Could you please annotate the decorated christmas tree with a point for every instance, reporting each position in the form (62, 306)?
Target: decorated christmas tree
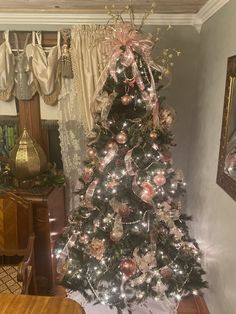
(128, 241)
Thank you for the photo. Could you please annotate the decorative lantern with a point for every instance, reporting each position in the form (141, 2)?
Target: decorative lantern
(27, 158)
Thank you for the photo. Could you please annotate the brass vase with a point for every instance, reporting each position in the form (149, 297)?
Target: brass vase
(27, 158)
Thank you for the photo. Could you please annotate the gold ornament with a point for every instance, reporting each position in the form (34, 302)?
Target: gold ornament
(92, 152)
(126, 99)
(121, 137)
(167, 117)
(97, 249)
(27, 158)
(153, 135)
(116, 236)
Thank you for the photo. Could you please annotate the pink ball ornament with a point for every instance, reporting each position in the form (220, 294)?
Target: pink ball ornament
(159, 179)
(121, 137)
(148, 192)
(128, 267)
(84, 239)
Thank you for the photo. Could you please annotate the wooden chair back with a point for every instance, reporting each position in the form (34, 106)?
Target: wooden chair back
(16, 224)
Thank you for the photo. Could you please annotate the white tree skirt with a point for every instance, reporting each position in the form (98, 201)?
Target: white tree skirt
(152, 307)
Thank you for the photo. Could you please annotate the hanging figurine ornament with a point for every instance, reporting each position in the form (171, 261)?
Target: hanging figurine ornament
(121, 137)
(117, 230)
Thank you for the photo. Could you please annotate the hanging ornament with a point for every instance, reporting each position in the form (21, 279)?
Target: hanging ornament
(167, 117)
(87, 174)
(112, 184)
(136, 229)
(166, 272)
(148, 192)
(153, 135)
(116, 236)
(121, 137)
(126, 99)
(124, 210)
(128, 267)
(159, 179)
(84, 239)
(97, 249)
(117, 231)
(111, 145)
(92, 152)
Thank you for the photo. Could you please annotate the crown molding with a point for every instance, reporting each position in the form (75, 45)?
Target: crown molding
(209, 9)
(55, 21)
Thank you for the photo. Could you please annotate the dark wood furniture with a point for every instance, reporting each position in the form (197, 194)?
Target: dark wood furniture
(48, 222)
(17, 237)
(21, 304)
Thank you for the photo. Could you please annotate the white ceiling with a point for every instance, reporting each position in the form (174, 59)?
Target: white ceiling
(98, 6)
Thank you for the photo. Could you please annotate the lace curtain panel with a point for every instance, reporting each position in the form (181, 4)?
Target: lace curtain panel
(75, 118)
(72, 140)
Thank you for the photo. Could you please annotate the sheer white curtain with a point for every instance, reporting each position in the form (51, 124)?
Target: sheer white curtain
(72, 139)
(75, 119)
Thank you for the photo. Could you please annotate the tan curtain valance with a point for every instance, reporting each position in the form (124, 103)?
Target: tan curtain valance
(33, 68)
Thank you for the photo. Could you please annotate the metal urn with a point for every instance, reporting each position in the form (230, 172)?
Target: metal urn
(27, 158)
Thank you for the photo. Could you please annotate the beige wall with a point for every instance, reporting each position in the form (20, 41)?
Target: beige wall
(182, 92)
(214, 212)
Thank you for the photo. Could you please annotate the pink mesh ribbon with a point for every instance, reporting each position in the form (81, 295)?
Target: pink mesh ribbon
(126, 36)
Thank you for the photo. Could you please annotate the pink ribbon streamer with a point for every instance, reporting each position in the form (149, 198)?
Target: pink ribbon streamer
(138, 191)
(89, 193)
(108, 158)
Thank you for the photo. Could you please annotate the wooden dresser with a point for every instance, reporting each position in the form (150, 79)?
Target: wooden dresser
(49, 219)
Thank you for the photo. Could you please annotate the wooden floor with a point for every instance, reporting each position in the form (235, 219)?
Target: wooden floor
(193, 305)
